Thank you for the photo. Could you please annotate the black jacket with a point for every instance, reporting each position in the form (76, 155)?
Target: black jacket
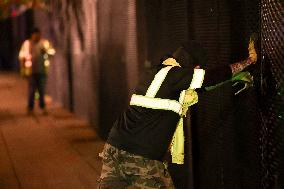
(148, 132)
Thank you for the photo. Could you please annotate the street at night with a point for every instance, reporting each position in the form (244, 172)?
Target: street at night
(57, 150)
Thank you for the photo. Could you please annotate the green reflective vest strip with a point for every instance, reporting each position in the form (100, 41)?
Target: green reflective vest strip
(177, 145)
(197, 79)
(156, 103)
(157, 82)
(149, 101)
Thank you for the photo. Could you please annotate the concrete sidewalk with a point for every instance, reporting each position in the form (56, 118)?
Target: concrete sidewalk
(57, 151)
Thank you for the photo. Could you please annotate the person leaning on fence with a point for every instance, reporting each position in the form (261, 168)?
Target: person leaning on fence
(141, 136)
(33, 57)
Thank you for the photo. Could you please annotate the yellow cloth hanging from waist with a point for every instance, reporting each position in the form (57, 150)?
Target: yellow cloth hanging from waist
(189, 97)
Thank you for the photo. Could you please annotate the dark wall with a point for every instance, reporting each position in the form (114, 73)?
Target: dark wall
(13, 31)
(223, 153)
(95, 67)
(225, 129)
(5, 44)
(212, 117)
(117, 57)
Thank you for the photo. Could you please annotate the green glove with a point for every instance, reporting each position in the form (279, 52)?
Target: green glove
(241, 77)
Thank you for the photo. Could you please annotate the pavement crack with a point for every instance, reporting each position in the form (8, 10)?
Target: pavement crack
(10, 159)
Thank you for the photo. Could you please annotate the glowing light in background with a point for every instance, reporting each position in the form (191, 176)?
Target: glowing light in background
(28, 64)
(46, 63)
(13, 8)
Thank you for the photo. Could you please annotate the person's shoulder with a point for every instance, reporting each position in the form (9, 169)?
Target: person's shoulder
(179, 72)
(43, 40)
(25, 42)
(177, 69)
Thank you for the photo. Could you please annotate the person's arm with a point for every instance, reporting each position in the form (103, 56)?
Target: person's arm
(239, 66)
(221, 74)
(22, 54)
(183, 76)
(212, 76)
(25, 59)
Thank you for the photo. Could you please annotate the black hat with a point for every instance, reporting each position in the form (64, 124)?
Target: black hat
(35, 30)
(191, 54)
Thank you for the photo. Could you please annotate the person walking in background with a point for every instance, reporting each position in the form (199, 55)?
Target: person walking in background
(34, 63)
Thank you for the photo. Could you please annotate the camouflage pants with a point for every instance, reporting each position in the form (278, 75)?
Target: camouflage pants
(122, 169)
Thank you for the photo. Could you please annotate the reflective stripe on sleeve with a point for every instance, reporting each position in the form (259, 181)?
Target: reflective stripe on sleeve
(156, 103)
(157, 82)
(197, 79)
(25, 50)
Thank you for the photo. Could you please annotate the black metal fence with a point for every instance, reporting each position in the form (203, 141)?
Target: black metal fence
(272, 93)
(237, 141)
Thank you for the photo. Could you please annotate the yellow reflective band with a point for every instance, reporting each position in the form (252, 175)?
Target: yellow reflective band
(177, 145)
(187, 98)
(25, 50)
(156, 103)
(157, 82)
(197, 80)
